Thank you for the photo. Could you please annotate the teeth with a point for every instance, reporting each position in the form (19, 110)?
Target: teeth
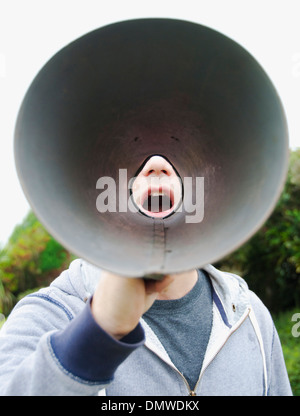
(159, 193)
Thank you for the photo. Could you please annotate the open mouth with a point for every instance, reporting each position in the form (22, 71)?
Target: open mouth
(157, 189)
(157, 201)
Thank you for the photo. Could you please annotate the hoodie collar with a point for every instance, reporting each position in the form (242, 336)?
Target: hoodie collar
(230, 292)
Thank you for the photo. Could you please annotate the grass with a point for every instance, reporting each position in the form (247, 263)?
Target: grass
(290, 346)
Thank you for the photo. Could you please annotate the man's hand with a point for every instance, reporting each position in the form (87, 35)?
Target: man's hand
(119, 302)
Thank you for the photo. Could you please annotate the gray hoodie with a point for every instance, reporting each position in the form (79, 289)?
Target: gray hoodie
(50, 345)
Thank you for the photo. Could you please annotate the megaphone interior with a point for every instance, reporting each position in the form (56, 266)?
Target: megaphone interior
(120, 94)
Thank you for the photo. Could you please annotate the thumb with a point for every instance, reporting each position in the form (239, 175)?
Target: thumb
(153, 288)
(158, 286)
(149, 300)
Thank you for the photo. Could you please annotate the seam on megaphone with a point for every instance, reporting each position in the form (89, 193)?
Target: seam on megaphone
(158, 246)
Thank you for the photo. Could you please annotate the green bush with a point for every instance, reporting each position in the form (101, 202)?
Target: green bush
(290, 346)
(270, 261)
(30, 259)
(52, 257)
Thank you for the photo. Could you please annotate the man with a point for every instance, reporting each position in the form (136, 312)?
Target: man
(201, 332)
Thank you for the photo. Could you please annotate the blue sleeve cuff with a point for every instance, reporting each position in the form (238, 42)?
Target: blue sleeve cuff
(87, 351)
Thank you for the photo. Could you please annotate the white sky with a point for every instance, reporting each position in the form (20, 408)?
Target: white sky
(32, 31)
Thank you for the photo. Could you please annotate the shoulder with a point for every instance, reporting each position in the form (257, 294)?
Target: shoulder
(262, 313)
(264, 326)
(79, 280)
(65, 296)
(233, 289)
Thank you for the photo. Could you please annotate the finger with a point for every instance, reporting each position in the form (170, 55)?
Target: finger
(157, 286)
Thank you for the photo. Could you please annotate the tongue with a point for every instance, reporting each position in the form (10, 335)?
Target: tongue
(158, 203)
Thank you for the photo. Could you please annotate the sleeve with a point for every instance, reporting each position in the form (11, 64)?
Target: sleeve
(279, 381)
(44, 350)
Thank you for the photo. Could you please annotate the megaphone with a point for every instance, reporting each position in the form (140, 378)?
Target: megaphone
(119, 94)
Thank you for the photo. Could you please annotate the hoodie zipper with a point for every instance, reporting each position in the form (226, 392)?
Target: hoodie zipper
(233, 330)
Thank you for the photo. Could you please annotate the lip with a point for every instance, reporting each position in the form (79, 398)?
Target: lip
(164, 190)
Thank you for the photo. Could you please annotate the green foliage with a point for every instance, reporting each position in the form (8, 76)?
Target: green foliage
(52, 257)
(30, 259)
(6, 300)
(270, 261)
(290, 347)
